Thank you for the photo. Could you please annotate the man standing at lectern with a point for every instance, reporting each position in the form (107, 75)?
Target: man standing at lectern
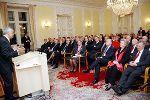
(6, 54)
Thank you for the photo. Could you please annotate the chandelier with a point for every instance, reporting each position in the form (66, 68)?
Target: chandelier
(122, 7)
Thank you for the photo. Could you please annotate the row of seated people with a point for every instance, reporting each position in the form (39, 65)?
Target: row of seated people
(130, 51)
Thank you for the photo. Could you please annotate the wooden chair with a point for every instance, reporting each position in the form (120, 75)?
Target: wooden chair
(82, 61)
(71, 54)
(146, 76)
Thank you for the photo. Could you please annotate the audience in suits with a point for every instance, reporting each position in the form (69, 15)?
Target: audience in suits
(116, 66)
(137, 65)
(64, 48)
(126, 50)
(106, 55)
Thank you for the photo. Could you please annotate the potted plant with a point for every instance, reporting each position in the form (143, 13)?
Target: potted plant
(1, 32)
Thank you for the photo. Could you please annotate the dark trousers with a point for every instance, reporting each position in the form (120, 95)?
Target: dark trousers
(8, 83)
(27, 49)
(129, 76)
(111, 75)
(96, 64)
(57, 56)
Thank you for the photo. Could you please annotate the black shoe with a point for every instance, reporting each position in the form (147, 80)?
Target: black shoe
(72, 71)
(86, 71)
(55, 67)
(107, 88)
(117, 90)
(94, 82)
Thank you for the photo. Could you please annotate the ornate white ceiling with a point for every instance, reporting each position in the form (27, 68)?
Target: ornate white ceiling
(83, 3)
(91, 3)
(87, 3)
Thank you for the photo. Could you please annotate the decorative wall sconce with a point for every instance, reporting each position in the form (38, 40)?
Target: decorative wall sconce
(148, 20)
(46, 24)
(88, 24)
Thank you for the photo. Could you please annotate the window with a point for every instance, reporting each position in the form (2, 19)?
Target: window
(18, 20)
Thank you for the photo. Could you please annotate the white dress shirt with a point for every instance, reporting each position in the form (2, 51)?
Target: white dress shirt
(133, 49)
(138, 58)
(7, 38)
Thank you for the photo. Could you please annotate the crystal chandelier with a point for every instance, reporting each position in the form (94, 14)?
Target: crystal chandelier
(122, 7)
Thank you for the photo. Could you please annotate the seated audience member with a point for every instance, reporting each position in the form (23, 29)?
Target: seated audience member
(60, 53)
(50, 43)
(137, 65)
(145, 39)
(79, 50)
(128, 38)
(116, 42)
(134, 46)
(106, 56)
(116, 66)
(44, 47)
(95, 47)
(141, 32)
(50, 51)
(86, 43)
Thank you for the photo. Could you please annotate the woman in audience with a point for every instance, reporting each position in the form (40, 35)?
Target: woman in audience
(79, 50)
(114, 68)
(116, 43)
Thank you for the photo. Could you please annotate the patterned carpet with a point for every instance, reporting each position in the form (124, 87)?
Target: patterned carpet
(66, 86)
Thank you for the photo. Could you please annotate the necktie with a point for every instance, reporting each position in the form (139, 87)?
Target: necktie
(136, 56)
(104, 51)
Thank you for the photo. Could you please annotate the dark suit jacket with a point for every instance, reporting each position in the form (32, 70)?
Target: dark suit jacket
(143, 32)
(56, 47)
(96, 47)
(67, 48)
(109, 54)
(26, 44)
(6, 54)
(82, 51)
(44, 47)
(144, 60)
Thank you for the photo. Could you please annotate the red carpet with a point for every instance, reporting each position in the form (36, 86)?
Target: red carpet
(82, 79)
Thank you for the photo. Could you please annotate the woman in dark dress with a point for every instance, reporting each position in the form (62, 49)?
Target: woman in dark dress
(79, 50)
(120, 58)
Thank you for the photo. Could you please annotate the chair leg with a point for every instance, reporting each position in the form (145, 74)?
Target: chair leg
(86, 63)
(64, 62)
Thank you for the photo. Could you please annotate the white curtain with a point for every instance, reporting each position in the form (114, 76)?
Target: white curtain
(64, 26)
(4, 14)
(32, 25)
(125, 24)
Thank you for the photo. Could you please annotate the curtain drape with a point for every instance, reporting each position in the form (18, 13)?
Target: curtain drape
(32, 25)
(4, 14)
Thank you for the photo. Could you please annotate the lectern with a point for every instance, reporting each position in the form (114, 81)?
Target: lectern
(31, 73)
